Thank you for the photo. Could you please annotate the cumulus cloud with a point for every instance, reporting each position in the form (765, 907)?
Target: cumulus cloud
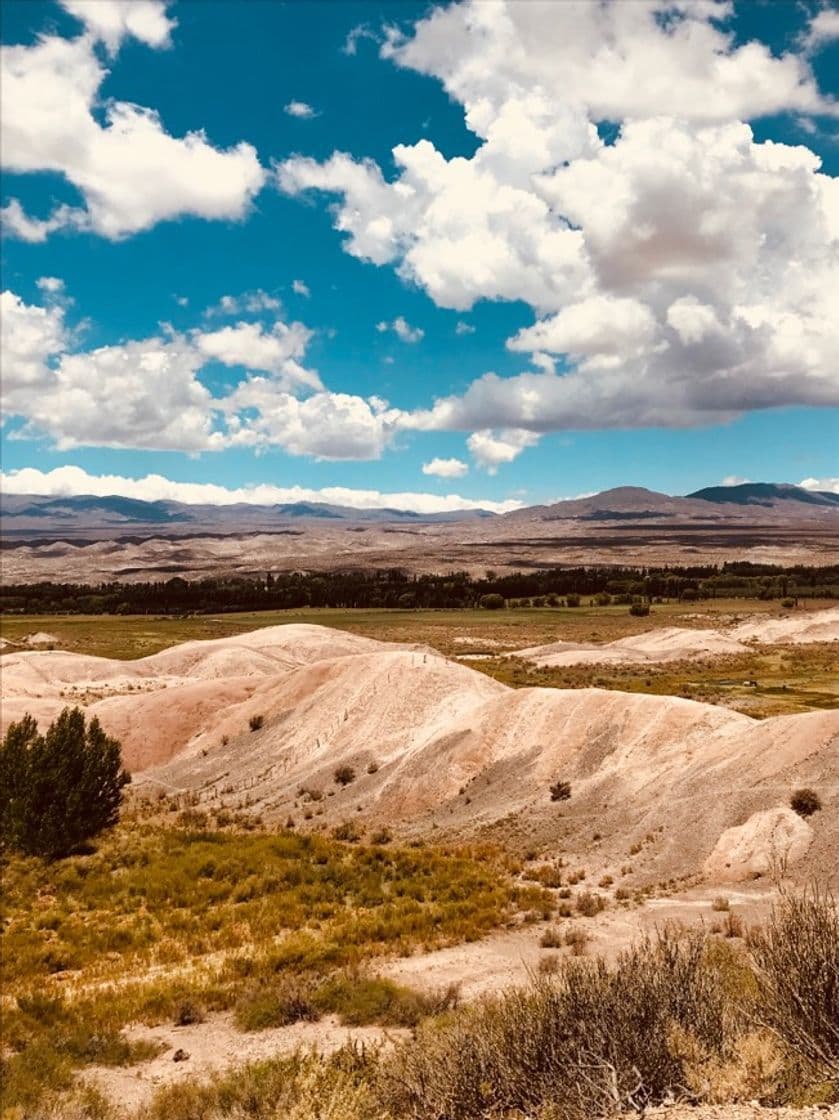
(149, 394)
(130, 172)
(680, 275)
(111, 21)
(402, 329)
(300, 288)
(829, 484)
(464, 328)
(446, 468)
(50, 285)
(70, 480)
(491, 450)
(299, 109)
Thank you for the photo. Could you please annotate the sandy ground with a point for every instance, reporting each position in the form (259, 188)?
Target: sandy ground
(216, 1045)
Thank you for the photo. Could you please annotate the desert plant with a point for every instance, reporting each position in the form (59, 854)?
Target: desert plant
(639, 610)
(560, 791)
(344, 775)
(256, 722)
(796, 957)
(60, 789)
(805, 802)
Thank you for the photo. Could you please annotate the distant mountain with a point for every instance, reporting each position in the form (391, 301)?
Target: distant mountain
(765, 494)
(88, 515)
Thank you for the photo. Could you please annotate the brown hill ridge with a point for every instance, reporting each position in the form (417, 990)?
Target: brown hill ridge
(669, 786)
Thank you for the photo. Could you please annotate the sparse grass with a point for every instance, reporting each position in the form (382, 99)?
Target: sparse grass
(167, 923)
(681, 1015)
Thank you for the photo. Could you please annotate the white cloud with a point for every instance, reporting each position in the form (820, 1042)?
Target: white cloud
(149, 394)
(402, 329)
(248, 303)
(464, 328)
(111, 21)
(823, 28)
(50, 285)
(734, 480)
(300, 288)
(616, 60)
(446, 468)
(681, 275)
(300, 110)
(69, 480)
(31, 337)
(491, 449)
(355, 35)
(277, 351)
(130, 172)
(829, 484)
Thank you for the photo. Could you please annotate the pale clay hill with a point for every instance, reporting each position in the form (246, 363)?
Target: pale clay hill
(683, 644)
(669, 786)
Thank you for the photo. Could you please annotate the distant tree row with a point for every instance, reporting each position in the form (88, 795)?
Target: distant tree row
(396, 589)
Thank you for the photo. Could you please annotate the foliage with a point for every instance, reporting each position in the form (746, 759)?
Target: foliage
(344, 775)
(60, 789)
(560, 791)
(397, 589)
(805, 802)
(796, 957)
(492, 602)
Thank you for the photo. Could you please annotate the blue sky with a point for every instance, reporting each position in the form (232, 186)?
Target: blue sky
(485, 253)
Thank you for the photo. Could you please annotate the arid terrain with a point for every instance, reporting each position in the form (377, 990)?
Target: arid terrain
(545, 822)
(88, 539)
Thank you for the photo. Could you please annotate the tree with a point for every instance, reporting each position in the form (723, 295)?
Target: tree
(492, 602)
(60, 789)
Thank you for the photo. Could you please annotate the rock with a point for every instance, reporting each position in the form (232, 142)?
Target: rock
(768, 842)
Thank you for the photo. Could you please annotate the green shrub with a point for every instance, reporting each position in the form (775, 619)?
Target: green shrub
(255, 723)
(639, 610)
(560, 791)
(60, 789)
(492, 602)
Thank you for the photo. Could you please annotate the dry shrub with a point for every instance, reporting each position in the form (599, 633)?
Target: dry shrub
(796, 958)
(589, 1040)
(751, 1070)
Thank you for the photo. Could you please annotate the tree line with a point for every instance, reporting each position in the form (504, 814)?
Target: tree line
(395, 588)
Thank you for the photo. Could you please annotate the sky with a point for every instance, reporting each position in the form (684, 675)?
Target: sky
(489, 253)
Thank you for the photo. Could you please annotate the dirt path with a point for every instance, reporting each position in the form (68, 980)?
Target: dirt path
(502, 960)
(215, 1045)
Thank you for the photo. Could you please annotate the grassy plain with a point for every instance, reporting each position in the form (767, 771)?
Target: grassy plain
(803, 678)
(177, 915)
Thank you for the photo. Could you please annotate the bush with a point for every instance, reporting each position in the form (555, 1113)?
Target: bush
(639, 610)
(796, 956)
(492, 602)
(572, 600)
(60, 789)
(591, 1041)
(344, 775)
(805, 802)
(256, 722)
(560, 791)
(788, 604)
